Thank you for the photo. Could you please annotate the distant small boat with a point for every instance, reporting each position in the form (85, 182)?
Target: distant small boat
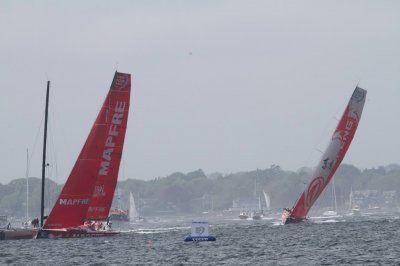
(17, 233)
(199, 232)
(134, 215)
(353, 208)
(118, 215)
(329, 213)
(257, 215)
(333, 211)
(244, 215)
(7, 232)
(355, 211)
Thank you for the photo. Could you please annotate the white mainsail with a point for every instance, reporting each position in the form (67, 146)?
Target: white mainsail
(267, 200)
(133, 213)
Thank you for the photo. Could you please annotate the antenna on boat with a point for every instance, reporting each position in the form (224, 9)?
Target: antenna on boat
(44, 153)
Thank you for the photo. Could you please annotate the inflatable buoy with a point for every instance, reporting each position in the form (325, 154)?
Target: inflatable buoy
(200, 238)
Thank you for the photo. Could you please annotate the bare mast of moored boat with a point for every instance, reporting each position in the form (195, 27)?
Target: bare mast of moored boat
(44, 154)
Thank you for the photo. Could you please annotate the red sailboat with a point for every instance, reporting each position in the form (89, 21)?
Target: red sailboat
(82, 208)
(330, 160)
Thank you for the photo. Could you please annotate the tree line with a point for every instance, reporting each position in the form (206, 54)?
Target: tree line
(196, 192)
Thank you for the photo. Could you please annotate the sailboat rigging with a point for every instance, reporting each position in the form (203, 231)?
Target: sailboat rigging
(330, 160)
(85, 200)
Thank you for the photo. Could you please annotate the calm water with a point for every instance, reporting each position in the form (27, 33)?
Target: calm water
(367, 240)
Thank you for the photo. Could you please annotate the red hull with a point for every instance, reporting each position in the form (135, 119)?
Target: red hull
(74, 233)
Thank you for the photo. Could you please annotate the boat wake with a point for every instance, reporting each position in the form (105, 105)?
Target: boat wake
(157, 230)
(325, 221)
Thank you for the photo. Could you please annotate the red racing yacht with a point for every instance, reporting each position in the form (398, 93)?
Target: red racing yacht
(330, 160)
(82, 208)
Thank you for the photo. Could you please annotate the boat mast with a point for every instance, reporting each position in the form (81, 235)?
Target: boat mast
(27, 185)
(44, 153)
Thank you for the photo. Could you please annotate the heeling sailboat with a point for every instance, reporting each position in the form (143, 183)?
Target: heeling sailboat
(330, 160)
(86, 197)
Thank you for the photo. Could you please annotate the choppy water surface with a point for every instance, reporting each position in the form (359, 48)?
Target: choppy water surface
(371, 240)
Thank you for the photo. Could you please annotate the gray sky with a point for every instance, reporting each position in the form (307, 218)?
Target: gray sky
(220, 85)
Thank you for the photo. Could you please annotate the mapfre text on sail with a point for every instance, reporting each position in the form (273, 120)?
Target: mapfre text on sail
(112, 134)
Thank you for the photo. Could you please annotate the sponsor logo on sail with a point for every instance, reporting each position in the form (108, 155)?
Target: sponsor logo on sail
(74, 201)
(112, 134)
(97, 209)
(313, 190)
(121, 81)
(359, 94)
(99, 191)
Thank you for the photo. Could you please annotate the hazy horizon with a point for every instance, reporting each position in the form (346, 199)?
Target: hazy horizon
(222, 86)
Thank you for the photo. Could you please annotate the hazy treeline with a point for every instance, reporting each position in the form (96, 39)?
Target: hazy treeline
(195, 192)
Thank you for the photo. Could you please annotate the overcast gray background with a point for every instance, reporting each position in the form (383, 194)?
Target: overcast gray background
(220, 85)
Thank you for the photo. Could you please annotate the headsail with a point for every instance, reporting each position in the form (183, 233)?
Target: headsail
(89, 189)
(332, 157)
(113, 122)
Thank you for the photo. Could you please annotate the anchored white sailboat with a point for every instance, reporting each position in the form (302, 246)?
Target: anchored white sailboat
(353, 208)
(333, 210)
(134, 215)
